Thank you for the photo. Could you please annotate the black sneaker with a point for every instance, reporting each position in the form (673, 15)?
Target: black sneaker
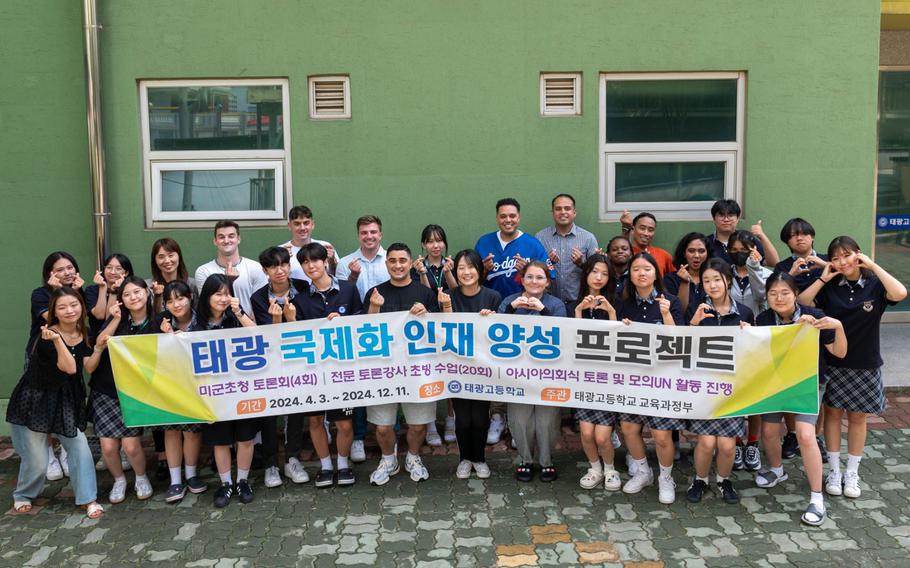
(729, 494)
(548, 473)
(822, 449)
(739, 457)
(196, 485)
(223, 495)
(162, 472)
(524, 472)
(789, 448)
(345, 476)
(175, 493)
(244, 491)
(325, 478)
(752, 460)
(696, 491)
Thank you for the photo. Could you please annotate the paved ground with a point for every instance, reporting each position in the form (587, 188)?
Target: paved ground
(448, 522)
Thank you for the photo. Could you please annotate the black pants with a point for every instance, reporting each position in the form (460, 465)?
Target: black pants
(158, 437)
(472, 420)
(269, 434)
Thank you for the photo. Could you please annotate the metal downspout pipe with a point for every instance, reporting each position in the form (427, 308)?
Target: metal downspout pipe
(100, 212)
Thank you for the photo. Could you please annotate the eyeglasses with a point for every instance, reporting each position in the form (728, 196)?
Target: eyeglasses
(727, 216)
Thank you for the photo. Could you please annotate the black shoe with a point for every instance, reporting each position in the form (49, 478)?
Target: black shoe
(752, 459)
(175, 493)
(548, 473)
(196, 485)
(822, 449)
(729, 494)
(345, 476)
(789, 448)
(223, 495)
(161, 472)
(244, 491)
(524, 472)
(696, 491)
(325, 478)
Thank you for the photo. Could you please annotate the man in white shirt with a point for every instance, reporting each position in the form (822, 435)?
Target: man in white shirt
(366, 265)
(246, 274)
(301, 225)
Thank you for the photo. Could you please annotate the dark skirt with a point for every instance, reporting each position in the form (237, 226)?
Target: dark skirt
(194, 428)
(52, 411)
(599, 417)
(720, 427)
(107, 417)
(855, 390)
(653, 422)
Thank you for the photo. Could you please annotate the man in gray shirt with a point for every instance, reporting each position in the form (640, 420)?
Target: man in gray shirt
(568, 246)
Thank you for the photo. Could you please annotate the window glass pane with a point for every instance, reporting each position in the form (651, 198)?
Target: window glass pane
(215, 118)
(698, 110)
(218, 190)
(892, 228)
(670, 181)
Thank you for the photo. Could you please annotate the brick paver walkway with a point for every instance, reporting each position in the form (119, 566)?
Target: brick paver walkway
(497, 522)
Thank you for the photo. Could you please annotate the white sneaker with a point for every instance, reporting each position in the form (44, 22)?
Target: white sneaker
(414, 465)
(100, 465)
(118, 492)
(463, 471)
(143, 488)
(433, 438)
(834, 483)
(294, 471)
(851, 484)
(482, 470)
(64, 463)
(497, 426)
(54, 471)
(124, 462)
(639, 480)
(358, 453)
(615, 439)
(612, 481)
(666, 492)
(591, 479)
(630, 464)
(387, 468)
(449, 434)
(272, 477)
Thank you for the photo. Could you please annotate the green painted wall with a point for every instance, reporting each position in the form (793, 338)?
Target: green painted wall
(445, 108)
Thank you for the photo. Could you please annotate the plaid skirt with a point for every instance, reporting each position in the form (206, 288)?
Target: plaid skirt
(721, 427)
(104, 412)
(599, 417)
(652, 422)
(855, 390)
(194, 428)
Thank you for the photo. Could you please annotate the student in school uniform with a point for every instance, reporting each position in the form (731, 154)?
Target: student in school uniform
(618, 251)
(324, 297)
(804, 264)
(726, 214)
(782, 292)
(534, 426)
(644, 300)
(691, 253)
(596, 426)
(856, 291)
(718, 435)
(217, 308)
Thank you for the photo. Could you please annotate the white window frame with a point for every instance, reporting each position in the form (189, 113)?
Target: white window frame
(154, 162)
(576, 106)
(729, 152)
(311, 95)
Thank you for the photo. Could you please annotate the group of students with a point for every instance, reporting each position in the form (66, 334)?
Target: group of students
(716, 279)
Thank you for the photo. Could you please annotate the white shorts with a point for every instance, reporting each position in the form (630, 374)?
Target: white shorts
(414, 413)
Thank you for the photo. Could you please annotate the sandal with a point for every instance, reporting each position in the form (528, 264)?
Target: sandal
(766, 479)
(814, 515)
(22, 507)
(94, 511)
(524, 472)
(548, 473)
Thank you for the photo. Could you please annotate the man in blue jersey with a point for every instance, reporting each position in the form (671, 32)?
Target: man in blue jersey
(506, 252)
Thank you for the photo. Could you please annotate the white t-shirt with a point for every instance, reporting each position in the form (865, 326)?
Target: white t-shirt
(250, 278)
(296, 269)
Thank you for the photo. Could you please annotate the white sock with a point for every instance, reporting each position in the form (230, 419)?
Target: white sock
(242, 474)
(702, 479)
(853, 463)
(225, 477)
(778, 471)
(596, 466)
(431, 427)
(389, 457)
(343, 462)
(142, 477)
(642, 464)
(666, 471)
(450, 422)
(412, 456)
(818, 499)
(608, 466)
(175, 475)
(190, 471)
(120, 479)
(834, 461)
(720, 479)
(326, 463)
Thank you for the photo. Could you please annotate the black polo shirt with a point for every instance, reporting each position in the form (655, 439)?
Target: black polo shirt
(803, 279)
(739, 313)
(672, 284)
(259, 300)
(342, 298)
(648, 310)
(403, 298)
(826, 336)
(717, 249)
(103, 378)
(859, 306)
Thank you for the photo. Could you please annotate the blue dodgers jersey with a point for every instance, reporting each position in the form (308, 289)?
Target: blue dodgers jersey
(504, 277)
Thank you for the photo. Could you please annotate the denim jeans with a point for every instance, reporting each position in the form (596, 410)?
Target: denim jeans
(32, 449)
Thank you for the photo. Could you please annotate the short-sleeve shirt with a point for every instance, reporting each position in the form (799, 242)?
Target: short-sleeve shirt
(504, 278)
(41, 298)
(672, 284)
(647, 310)
(485, 299)
(342, 298)
(103, 378)
(738, 313)
(250, 278)
(297, 270)
(663, 258)
(403, 298)
(859, 306)
(263, 296)
(568, 274)
(803, 279)
(372, 272)
(717, 249)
